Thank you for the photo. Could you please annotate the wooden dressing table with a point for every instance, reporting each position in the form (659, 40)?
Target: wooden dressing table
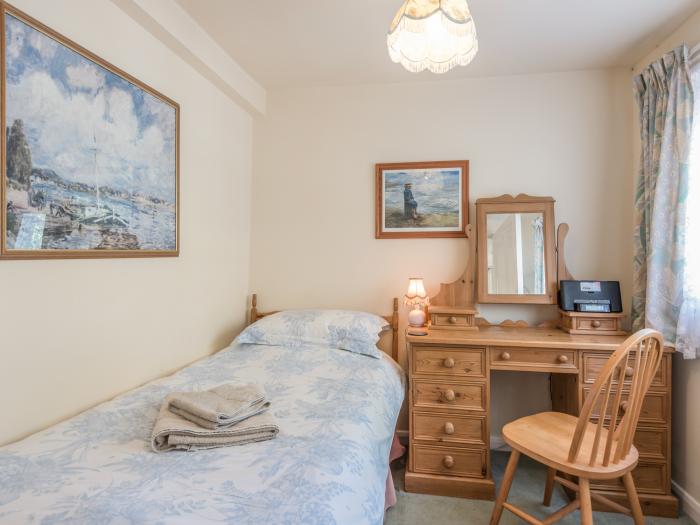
(450, 368)
(449, 407)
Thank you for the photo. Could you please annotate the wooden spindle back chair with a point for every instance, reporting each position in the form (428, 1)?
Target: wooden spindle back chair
(579, 447)
(647, 347)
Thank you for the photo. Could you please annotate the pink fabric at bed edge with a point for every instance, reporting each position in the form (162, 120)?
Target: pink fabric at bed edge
(397, 450)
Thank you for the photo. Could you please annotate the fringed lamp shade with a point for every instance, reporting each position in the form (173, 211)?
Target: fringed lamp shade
(433, 34)
(416, 295)
(417, 298)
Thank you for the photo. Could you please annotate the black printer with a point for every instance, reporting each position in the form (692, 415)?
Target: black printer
(590, 296)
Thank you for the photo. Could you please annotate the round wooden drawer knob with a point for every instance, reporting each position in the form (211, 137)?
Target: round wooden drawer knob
(449, 395)
(449, 363)
(595, 324)
(448, 461)
(505, 356)
(452, 320)
(449, 429)
(624, 406)
(629, 371)
(563, 359)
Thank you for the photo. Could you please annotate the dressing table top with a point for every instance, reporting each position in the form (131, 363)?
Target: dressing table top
(528, 337)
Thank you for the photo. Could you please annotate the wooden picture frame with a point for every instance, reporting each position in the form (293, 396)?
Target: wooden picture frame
(112, 234)
(445, 182)
(507, 204)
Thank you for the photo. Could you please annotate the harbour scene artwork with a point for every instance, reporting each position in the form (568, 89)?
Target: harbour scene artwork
(422, 200)
(91, 157)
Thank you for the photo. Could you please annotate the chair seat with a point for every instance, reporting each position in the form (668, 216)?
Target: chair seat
(546, 437)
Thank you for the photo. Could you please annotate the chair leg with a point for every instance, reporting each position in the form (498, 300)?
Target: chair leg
(584, 495)
(549, 487)
(633, 498)
(505, 487)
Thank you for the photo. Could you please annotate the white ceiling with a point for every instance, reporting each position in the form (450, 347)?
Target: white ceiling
(319, 42)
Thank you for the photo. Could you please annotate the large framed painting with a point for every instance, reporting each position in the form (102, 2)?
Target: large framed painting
(422, 199)
(91, 155)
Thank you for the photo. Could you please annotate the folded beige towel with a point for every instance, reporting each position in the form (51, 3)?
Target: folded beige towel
(220, 407)
(172, 432)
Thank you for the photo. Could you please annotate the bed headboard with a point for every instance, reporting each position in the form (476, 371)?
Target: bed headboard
(388, 343)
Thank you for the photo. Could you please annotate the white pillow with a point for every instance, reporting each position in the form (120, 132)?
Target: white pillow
(356, 332)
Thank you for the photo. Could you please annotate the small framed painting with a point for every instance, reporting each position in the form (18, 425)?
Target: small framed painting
(422, 199)
(90, 162)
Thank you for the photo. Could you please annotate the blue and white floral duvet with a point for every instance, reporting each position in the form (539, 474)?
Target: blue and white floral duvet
(336, 410)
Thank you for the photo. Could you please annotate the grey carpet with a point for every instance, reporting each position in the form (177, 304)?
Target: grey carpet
(526, 492)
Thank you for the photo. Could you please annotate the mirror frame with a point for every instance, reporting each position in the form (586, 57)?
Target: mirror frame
(520, 204)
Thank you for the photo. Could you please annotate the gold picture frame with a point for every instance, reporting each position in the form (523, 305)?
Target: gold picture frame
(73, 214)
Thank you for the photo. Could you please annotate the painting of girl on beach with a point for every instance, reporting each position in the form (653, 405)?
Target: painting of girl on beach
(91, 164)
(422, 199)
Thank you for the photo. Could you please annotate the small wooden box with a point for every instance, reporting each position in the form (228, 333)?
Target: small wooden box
(452, 318)
(585, 323)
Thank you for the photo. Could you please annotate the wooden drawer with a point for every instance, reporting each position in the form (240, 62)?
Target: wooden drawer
(445, 394)
(534, 359)
(655, 408)
(649, 477)
(444, 318)
(448, 461)
(451, 319)
(596, 325)
(449, 429)
(652, 443)
(591, 323)
(593, 363)
(447, 361)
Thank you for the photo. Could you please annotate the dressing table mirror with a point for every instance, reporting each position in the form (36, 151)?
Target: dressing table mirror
(516, 250)
(513, 258)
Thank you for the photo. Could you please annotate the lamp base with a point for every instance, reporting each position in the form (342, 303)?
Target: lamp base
(415, 330)
(416, 317)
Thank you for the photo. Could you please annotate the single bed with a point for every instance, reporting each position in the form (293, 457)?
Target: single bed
(336, 411)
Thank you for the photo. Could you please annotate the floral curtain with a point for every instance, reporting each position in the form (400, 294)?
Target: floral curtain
(665, 95)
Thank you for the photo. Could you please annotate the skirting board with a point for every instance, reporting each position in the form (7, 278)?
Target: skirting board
(689, 504)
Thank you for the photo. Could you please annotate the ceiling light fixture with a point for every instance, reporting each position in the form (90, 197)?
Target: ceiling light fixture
(433, 34)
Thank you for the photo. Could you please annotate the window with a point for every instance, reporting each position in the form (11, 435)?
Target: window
(688, 334)
(692, 238)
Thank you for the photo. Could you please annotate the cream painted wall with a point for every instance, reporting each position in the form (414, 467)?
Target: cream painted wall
(686, 374)
(75, 333)
(564, 135)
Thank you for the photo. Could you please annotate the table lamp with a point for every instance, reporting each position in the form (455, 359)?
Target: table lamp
(417, 298)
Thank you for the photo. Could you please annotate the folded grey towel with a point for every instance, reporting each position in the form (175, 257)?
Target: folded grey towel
(172, 432)
(220, 407)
